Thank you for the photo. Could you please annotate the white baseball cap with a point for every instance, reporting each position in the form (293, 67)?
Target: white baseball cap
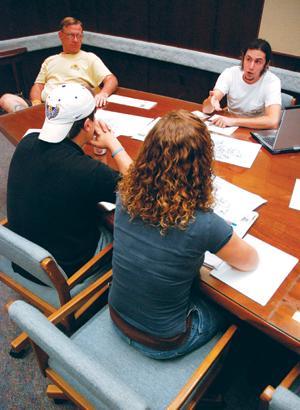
(64, 105)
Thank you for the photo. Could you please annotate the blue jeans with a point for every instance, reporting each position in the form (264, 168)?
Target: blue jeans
(207, 319)
(105, 238)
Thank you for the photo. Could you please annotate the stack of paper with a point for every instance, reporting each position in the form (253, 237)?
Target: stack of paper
(236, 206)
(234, 203)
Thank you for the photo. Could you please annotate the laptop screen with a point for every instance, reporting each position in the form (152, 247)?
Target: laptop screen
(288, 135)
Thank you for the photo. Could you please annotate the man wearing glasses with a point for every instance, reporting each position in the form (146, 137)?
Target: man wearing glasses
(72, 65)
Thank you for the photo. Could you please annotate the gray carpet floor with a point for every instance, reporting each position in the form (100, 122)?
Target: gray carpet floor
(255, 360)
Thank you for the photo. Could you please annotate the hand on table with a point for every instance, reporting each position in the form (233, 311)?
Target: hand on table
(101, 99)
(223, 122)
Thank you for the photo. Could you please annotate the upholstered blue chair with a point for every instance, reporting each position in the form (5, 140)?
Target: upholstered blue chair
(96, 369)
(286, 396)
(42, 265)
(287, 100)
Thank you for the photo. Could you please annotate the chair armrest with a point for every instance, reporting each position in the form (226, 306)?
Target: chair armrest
(77, 301)
(86, 371)
(84, 270)
(284, 399)
(291, 376)
(208, 363)
(281, 392)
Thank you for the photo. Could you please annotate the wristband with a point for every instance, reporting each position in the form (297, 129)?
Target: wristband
(117, 151)
(36, 102)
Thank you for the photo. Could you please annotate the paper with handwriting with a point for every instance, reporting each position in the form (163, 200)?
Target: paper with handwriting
(232, 203)
(234, 151)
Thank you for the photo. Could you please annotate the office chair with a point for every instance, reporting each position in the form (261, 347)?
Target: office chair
(42, 265)
(96, 369)
(286, 396)
(287, 100)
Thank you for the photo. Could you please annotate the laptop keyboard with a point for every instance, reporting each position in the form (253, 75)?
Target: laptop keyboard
(269, 140)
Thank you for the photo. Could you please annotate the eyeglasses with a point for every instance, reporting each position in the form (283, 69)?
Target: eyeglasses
(73, 35)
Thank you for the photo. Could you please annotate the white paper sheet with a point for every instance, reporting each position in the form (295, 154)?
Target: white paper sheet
(142, 134)
(200, 114)
(219, 130)
(234, 151)
(296, 316)
(295, 199)
(261, 283)
(233, 203)
(131, 102)
(123, 124)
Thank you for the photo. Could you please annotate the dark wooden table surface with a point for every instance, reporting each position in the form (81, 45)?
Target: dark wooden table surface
(271, 176)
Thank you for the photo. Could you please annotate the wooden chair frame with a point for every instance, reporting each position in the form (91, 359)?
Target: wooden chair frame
(62, 286)
(61, 390)
(266, 395)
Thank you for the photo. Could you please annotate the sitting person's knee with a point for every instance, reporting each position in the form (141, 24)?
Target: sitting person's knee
(12, 103)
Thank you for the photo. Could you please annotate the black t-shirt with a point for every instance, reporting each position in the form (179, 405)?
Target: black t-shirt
(52, 196)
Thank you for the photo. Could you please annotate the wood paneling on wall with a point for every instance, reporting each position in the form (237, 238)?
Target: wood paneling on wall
(215, 26)
(209, 25)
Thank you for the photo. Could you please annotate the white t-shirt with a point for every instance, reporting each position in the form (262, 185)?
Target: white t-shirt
(83, 68)
(248, 99)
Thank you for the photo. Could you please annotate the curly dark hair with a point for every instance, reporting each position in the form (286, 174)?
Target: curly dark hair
(172, 176)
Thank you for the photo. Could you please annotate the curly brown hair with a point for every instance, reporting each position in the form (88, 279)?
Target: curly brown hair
(172, 176)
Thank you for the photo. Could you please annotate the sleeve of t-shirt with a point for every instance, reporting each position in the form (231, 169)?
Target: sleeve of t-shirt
(219, 233)
(98, 70)
(273, 92)
(224, 81)
(42, 75)
(104, 185)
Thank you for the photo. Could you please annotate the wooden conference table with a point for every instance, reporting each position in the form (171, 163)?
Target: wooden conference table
(270, 176)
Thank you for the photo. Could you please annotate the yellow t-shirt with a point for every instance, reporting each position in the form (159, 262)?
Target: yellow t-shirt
(83, 68)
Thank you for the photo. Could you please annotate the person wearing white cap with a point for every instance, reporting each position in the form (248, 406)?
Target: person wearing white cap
(72, 65)
(54, 187)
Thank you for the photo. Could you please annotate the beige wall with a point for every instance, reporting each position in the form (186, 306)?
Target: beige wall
(280, 25)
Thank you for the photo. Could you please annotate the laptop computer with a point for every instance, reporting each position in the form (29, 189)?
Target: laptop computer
(287, 137)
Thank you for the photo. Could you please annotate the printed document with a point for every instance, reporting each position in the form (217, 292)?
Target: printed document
(142, 134)
(261, 283)
(123, 124)
(236, 206)
(233, 203)
(234, 151)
